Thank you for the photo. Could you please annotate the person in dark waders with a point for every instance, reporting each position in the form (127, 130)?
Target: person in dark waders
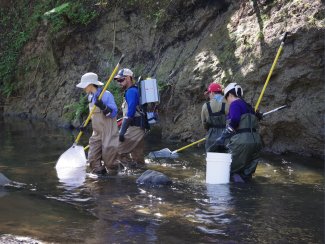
(103, 143)
(131, 134)
(242, 134)
(213, 115)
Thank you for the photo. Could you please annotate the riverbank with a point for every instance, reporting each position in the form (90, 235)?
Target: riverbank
(185, 45)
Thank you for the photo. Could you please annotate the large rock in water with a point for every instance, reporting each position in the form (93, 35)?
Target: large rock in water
(4, 180)
(153, 178)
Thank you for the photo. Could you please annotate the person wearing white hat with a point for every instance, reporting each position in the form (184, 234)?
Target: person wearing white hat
(131, 134)
(103, 143)
(244, 141)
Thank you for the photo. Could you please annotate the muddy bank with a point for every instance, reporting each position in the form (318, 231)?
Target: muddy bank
(186, 46)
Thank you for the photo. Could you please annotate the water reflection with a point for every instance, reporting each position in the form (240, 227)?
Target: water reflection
(218, 194)
(24, 213)
(71, 167)
(71, 177)
(3, 192)
(215, 209)
(284, 203)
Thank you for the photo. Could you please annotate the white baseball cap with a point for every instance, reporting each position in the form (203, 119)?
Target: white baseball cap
(89, 78)
(235, 87)
(123, 73)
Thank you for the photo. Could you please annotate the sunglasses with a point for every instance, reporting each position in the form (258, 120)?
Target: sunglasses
(121, 80)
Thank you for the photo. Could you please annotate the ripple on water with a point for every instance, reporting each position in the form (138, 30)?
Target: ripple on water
(283, 203)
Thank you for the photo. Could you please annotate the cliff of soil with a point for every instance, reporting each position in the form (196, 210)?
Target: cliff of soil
(186, 45)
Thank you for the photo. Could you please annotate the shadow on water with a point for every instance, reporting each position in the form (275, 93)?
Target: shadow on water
(284, 203)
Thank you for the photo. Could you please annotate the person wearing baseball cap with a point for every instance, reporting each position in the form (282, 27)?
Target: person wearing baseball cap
(216, 89)
(122, 73)
(241, 135)
(103, 143)
(131, 134)
(213, 116)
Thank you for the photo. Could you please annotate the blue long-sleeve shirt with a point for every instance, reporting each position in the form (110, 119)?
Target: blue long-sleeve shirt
(132, 99)
(236, 109)
(108, 100)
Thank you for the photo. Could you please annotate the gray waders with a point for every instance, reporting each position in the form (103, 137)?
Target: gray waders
(245, 146)
(215, 123)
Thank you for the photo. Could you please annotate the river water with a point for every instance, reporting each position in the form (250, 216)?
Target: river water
(283, 204)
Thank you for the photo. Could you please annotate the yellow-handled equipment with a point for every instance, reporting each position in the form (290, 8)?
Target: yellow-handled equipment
(75, 156)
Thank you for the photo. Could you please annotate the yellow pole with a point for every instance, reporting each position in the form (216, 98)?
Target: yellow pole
(262, 93)
(271, 70)
(100, 97)
(193, 143)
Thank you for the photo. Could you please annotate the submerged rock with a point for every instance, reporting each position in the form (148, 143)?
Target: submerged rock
(154, 178)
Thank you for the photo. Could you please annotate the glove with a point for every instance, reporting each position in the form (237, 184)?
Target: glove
(82, 127)
(125, 125)
(121, 138)
(206, 125)
(106, 110)
(259, 115)
(226, 134)
(217, 148)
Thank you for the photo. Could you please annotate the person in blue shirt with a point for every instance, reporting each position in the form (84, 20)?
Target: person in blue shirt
(245, 142)
(131, 134)
(103, 143)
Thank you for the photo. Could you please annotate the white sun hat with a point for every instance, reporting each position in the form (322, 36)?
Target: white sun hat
(89, 78)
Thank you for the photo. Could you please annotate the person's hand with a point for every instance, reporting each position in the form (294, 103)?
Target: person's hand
(82, 127)
(259, 115)
(100, 104)
(125, 125)
(106, 110)
(121, 138)
(227, 133)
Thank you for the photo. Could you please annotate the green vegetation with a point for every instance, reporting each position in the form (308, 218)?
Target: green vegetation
(152, 10)
(265, 17)
(70, 13)
(77, 110)
(260, 36)
(16, 29)
(19, 24)
(162, 85)
(115, 89)
(8, 89)
(139, 71)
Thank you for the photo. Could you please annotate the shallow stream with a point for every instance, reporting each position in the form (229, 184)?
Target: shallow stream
(283, 204)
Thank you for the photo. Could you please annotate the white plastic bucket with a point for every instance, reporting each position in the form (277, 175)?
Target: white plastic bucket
(218, 168)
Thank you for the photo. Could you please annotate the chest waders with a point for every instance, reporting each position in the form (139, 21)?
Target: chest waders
(77, 152)
(103, 142)
(132, 149)
(245, 146)
(216, 123)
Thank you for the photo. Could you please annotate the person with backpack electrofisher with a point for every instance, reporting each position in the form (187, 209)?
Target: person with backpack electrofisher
(242, 132)
(213, 116)
(103, 143)
(131, 134)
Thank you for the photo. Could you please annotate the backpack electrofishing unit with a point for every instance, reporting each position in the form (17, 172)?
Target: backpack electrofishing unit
(149, 100)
